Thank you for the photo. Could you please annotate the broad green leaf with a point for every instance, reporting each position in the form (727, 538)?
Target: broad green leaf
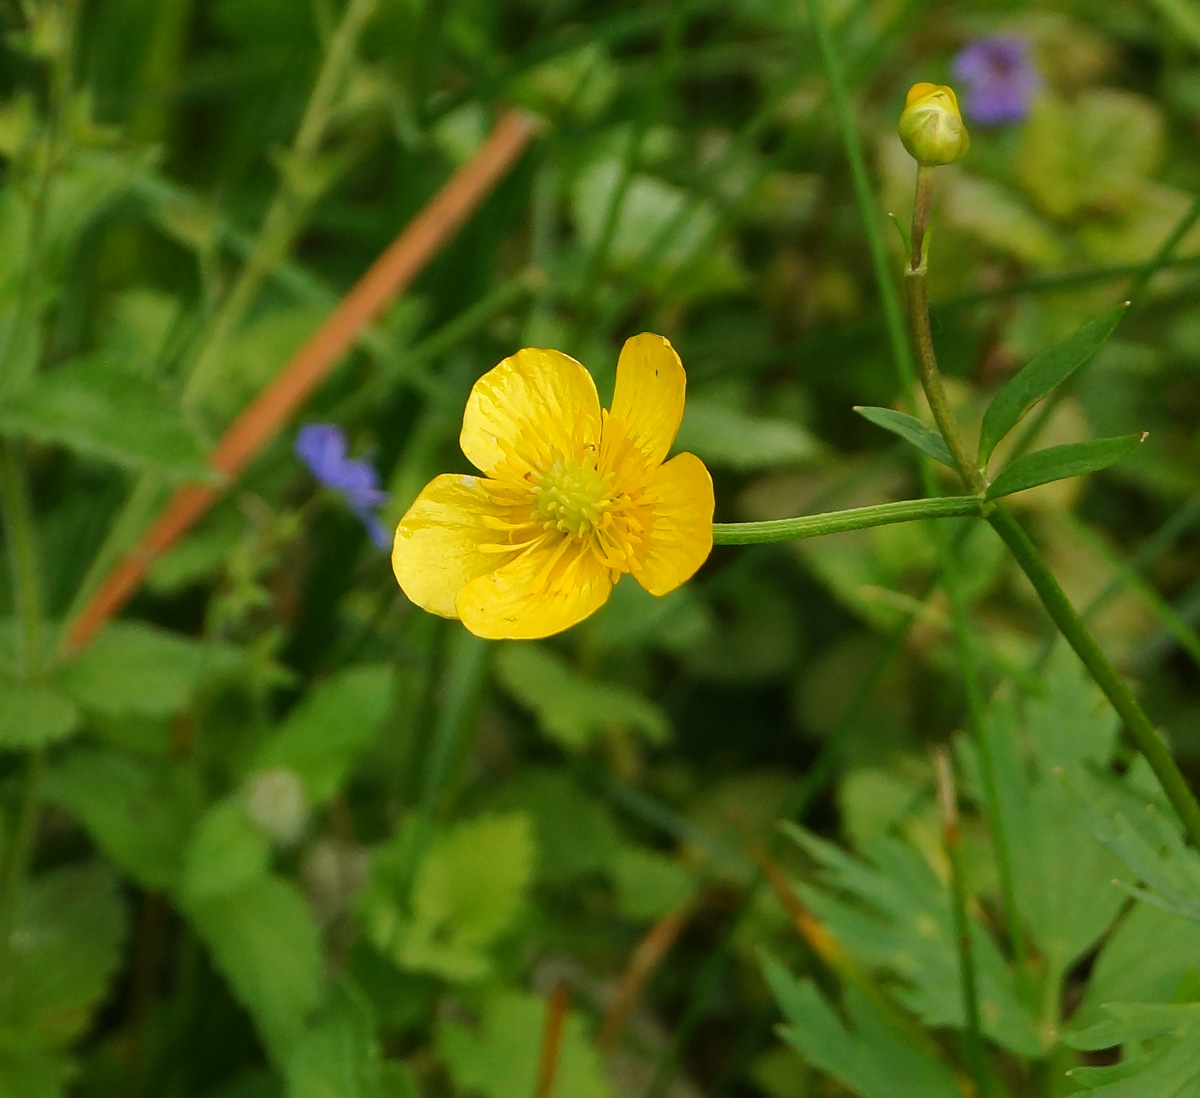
(909, 428)
(727, 438)
(1161, 1052)
(894, 913)
(500, 1058)
(340, 1056)
(327, 733)
(570, 708)
(467, 892)
(649, 884)
(139, 813)
(869, 1056)
(30, 1067)
(226, 852)
(133, 668)
(1040, 377)
(101, 409)
(1147, 959)
(574, 834)
(263, 940)
(1059, 462)
(33, 716)
(67, 943)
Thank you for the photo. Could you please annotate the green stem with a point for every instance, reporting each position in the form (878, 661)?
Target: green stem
(1071, 625)
(952, 840)
(285, 214)
(837, 522)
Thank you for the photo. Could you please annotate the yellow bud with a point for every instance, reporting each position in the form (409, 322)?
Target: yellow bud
(931, 126)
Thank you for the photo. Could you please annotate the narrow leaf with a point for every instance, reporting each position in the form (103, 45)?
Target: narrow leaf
(1059, 462)
(1041, 376)
(911, 429)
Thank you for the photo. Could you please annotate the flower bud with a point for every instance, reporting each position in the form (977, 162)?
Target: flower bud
(276, 802)
(931, 126)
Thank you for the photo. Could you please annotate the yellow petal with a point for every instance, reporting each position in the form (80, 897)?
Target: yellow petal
(535, 404)
(436, 549)
(680, 536)
(649, 394)
(521, 602)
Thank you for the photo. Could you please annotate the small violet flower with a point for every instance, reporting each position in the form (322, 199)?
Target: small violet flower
(1000, 77)
(322, 447)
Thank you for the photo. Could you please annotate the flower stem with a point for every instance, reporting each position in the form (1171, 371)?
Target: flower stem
(1077, 635)
(836, 522)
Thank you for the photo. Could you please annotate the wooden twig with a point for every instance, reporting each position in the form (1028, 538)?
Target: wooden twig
(552, 1036)
(267, 414)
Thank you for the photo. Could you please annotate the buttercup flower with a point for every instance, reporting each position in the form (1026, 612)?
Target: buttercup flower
(322, 447)
(1000, 78)
(931, 127)
(572, 497)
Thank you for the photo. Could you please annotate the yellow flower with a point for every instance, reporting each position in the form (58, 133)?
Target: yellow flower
(571, 498)
(931, 127)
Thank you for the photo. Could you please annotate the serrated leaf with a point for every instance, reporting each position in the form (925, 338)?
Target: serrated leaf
(1072, 459)
(134, 668)
(226, 852)
(139, 813)
(102, 410)
(869, 1056)
(263, 940)
(34, 715)
(1161, 1046)
(727, 438)
(500, 1058)
(66, 948)
(327, 733)
(909, 428)
(1040, 377)
(893, 913)
(570, 708)
(466, 893)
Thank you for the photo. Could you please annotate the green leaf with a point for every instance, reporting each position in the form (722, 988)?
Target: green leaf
(909, 428)
(327, 733)
(30, 1067)
(724, 437)
(101, 410)
(34, 716)
(500, 1058)
(570, 708)
(67, 943)
(340, 1055)
(649, 884)
(869, 1056)
(894, 913)
(1059, 462)
(467, 892)
(226, 852)
(263, 940)
(139, 813)
(1040, 377)
(1161, 1045)
(133, 668)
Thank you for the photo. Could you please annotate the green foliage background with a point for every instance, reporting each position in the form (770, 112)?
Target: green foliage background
(277, 832)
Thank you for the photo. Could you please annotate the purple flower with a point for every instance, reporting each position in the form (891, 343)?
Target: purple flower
(322, 447)
(1000, 78)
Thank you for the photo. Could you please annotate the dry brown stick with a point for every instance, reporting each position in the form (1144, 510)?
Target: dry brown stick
(646, 957)
(552, 1035)
(266, 415)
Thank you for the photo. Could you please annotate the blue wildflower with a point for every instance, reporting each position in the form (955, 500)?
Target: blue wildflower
(1000, 78)
(322, 447)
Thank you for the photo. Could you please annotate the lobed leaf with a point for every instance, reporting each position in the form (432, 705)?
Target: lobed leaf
(1040, 377)
(1072, 459)
(909, 428)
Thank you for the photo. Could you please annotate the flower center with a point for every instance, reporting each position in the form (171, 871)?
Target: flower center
(572, 497)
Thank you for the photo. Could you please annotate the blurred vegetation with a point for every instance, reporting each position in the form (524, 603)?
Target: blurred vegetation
(278, 832)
